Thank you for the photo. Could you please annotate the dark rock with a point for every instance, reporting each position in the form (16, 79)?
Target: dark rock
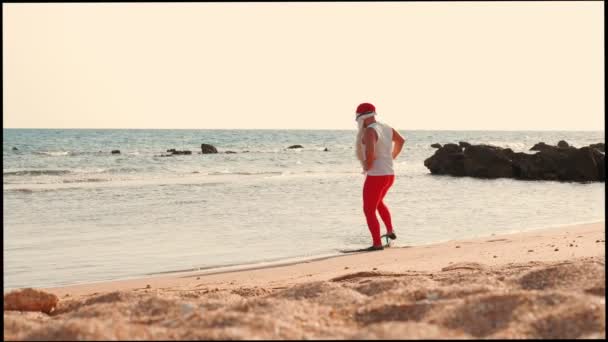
(599, 146)
(115, 151)
(436, 145)
(447, 160)
(326, 150)
(176, 152)
(15, 149)
(541, 146)
(296, 146)
(485, 161)
(565, 163)
(229, 152)
(562, 144)
(463, 144)
(207, 149)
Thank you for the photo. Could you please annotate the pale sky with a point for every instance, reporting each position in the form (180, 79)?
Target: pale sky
(436, 66)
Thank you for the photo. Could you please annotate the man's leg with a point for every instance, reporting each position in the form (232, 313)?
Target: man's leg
(383, 209)
(372, 190)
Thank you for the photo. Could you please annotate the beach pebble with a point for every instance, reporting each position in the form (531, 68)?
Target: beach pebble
(30, 300)
(457, 246)
(495, 256)
(530, 250)
(345, 267)
(557, 249)
(148, 286)
(115, 151)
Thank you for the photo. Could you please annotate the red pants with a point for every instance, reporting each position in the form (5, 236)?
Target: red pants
(374, 190)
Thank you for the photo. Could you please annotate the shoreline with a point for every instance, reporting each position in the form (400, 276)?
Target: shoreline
(242, 271)
(285, 261)
(540, 284)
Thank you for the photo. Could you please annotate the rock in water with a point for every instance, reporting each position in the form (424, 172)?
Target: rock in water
(207, 149)
(436, 145)
(115, 151)
(447, 160)
(30, 300)
(485, 161)
(15, 149)
(561, 163)
(599, 146)
(296, 146)
(562, 144)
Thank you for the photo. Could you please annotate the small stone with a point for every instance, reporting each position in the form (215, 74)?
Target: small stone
(457, 246)
(115, 151)
(530, 250)
(374, 268)
(571, 245)
(148, 286)
(557, 249)
(198, 278)
(495, 256)
(345, 267)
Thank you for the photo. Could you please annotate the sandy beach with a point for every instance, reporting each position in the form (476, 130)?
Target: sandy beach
(547, 283)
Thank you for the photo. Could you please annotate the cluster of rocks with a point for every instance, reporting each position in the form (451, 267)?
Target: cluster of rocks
(561, 163)
(205, 149)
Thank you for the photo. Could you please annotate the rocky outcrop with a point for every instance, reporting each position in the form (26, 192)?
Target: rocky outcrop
(176, 152)
(599, 146)
(436, 145)
(296, 146)
(561, 163)
(207, 149)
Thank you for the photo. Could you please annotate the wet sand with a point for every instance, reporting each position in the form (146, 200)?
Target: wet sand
(546, 283)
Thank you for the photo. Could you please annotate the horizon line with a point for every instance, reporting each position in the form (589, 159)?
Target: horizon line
(312, 129)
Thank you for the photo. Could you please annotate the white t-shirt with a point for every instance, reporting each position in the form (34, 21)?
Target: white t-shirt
(383, 164)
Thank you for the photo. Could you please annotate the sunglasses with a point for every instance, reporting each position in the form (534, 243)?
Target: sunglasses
(365, 113)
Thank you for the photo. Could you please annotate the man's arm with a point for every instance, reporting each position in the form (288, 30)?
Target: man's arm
(370, 137)
(399, 141)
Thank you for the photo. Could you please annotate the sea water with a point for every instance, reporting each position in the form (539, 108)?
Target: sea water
(76, 213)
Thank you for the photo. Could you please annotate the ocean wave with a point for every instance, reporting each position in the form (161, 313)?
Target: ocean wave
(222, 173)
(37, 173)
(86, 180)
(53, 153)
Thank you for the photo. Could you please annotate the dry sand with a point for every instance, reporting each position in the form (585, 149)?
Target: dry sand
(541, 284)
